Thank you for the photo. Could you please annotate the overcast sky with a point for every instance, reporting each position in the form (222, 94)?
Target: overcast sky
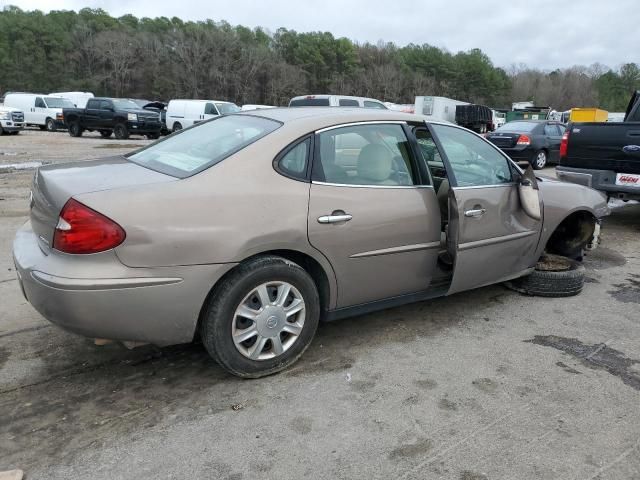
(541, 33)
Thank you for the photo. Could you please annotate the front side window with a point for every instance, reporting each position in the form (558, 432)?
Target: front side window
(364, 155)
(474, 161)
(225, 108)
(551, 130)
(204, 145)
(105, 105)
(370, 104)
(210, 109)
(40, 103)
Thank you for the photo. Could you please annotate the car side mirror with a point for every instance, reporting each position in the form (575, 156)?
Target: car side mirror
(529, 194)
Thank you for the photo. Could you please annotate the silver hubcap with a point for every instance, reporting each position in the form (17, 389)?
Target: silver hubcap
(541, 160)
(268, 321)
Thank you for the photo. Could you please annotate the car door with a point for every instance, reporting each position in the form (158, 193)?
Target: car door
(490, 236)
(91, 114)
(553, 137)
(373, 215)
(104, 116)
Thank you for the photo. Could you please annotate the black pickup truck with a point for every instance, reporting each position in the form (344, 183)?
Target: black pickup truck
(119, 116)
(604, 156)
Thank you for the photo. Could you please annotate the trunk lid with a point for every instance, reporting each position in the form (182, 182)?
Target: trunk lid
(54, 185)
(504, 139)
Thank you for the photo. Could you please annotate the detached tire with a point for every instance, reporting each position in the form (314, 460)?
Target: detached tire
(261, 318)
(554, 276)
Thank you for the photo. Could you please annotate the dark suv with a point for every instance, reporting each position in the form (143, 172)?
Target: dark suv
(119, 116)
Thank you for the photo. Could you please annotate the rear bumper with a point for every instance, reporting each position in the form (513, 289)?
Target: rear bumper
(602, 180)
(97, 296)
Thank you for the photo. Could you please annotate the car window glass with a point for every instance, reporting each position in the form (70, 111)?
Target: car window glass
(348, 102)
(104, 105)
(93, 104)
(40, 103)
(310, 102)
(210, 109)
(562, 129)
(294, 162)
(474, 161)
(551, 130)
(365, 155)
(370, 104)
(430, 154)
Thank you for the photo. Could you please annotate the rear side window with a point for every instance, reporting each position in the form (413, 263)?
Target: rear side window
(198, 148)
(348, 102)
(370, 104)
(310, 102)
(293, 162)
(364, 155)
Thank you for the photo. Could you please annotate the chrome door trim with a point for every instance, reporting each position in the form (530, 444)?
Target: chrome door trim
(400, 249)
(328, 184)
(494, 240)
(367, 122)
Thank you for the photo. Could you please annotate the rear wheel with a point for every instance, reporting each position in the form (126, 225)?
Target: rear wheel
(75, 130)
(177, 126)
(554, 276)
(539, 160)
(262, 318)
(121, 131)
(50, 125)
(105, 133)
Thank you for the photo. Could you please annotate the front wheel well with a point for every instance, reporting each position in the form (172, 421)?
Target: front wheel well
(572, 234)
(307, 262)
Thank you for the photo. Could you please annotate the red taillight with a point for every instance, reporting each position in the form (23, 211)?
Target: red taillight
(564, 144)
(524, 140)
(83, 230)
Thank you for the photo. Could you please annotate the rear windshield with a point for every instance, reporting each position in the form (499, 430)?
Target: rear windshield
(518, 127)
(227, 108)
(55, 102)
(197, 148)
(310, 102)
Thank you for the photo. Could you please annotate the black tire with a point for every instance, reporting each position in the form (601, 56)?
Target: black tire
(216, 326)
(1, 131)
(565, 282)
(75, 130)
(153, 136)
(177, 126)
(121, 131)
(50, 125)
(539, 160)
(105, 133)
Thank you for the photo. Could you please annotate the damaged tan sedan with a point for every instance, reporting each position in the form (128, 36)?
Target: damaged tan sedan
(249, 229)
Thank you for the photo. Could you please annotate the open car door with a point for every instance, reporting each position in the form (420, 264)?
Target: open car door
(494, 211)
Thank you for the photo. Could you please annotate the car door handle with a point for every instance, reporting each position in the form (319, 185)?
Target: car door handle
(476, 212)
(345, 217)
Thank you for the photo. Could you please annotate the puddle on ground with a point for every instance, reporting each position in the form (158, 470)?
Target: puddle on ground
(597, 356)
(628, 292)
(602, 258)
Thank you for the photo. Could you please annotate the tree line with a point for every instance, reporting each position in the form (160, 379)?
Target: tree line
(163, 58)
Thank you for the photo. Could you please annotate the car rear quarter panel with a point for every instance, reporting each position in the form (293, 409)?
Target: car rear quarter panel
(236, 209)
(561, 200)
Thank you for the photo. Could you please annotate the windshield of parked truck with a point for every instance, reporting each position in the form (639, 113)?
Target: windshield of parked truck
(56, 102)
(227, 108)
(518, 127)
(197, 148)
(124, 104)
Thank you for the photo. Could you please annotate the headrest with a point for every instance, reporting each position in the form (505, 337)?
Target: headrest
(375, 163)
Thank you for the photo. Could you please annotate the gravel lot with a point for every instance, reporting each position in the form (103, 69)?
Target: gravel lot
(486, 384)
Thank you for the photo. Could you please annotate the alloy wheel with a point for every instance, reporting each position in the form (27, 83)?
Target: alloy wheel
(268, 320)
(541, 159)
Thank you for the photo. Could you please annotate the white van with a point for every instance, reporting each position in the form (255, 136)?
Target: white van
(335, 101)
(44, 111)
(79, 99)
(11, 120)
(184, 113)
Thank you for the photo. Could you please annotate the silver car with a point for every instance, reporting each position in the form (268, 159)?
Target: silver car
(250, 228)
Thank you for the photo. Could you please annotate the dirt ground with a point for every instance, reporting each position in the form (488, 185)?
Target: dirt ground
(487, 384)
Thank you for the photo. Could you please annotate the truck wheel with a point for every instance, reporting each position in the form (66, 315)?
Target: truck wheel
(261, 318)
(554, 276)
(539, 160)
(50, 125)
(75, 130)
(121, 132)
(105, 133)
(177, 126)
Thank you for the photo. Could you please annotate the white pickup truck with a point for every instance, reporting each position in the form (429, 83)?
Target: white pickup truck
(11, 120)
